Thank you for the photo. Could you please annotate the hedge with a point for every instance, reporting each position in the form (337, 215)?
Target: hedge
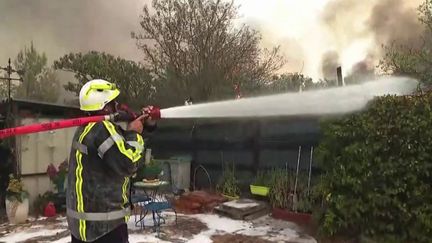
(377, 167)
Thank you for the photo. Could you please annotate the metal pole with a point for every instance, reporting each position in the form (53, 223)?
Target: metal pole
(310, 168)
(297, 171)
(9, 72)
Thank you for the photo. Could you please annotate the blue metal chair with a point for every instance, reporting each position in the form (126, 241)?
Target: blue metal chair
(141, 200)
(160, 203)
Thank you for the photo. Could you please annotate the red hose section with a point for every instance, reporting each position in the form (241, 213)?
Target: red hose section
(49, 126)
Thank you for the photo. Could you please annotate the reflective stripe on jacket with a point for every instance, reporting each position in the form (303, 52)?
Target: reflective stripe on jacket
(103, 157)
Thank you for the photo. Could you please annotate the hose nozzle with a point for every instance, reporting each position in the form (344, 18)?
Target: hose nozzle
(153, 112)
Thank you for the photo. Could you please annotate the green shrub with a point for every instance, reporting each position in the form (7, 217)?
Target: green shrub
(41, 201)
(281, 186)
(228, 184)
(281, 194)
(263, 178)
(377, 171)
(149, 171)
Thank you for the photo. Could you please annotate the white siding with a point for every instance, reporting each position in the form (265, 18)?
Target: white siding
(36, 151)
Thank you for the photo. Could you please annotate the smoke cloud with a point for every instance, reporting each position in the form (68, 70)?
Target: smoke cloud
(379, 22)
(290, 48)
(362, 71)
(344, 20)
(393, 21)
(59, 27)
(315, 36)
(330, 61)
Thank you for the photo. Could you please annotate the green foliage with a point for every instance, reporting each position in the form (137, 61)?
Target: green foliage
(284, 194)
(4, 87)
(58, 176)
(292, 82)
(304, 202)
(134, 80)
(41, 201)
(39, 82)
(15, 190)
(377, 171)
(228, 184)
(153, 169)
(263, 178)
(281, 186)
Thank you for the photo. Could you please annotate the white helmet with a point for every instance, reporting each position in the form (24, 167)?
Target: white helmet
(95, 94)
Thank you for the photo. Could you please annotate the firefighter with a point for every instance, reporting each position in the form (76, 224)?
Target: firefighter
(102, 160)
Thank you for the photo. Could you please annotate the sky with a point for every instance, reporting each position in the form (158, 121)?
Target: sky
(348, 31)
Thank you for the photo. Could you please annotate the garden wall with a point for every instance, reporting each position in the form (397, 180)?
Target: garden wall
(252, 144)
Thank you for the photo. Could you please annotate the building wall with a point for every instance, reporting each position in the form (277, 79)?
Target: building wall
(256, 144)
(36, 151)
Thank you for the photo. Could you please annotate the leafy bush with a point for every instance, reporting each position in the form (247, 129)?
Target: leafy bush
(377, 165)
(41, 201)
(263, 178)
(58, 176)
(228, 184)
(280, 189)
(282, 192)
(149, 171)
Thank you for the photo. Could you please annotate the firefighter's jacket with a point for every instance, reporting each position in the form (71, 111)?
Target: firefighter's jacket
(102, 159)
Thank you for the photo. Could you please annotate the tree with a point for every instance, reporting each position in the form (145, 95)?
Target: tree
(39, 82)
(412, 61)
(195, 50)
(4, 87)
(133, 79)
(292, 82)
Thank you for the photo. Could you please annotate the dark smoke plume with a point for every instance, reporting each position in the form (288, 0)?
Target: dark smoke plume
(392, 21)
(361, 71)
(330, 62)
(59, 27)
(388, 21)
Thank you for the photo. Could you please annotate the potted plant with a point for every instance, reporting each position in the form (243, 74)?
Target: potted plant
(42, 201)
(17, 203)
(228, 184)
(260, 185)
(287, 203)
(58, 175)
(151, 170)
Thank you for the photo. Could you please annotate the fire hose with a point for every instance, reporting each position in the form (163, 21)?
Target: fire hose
(123, 115)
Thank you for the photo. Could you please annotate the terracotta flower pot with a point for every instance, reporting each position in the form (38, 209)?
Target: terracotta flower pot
(17, 212)
(299, 218)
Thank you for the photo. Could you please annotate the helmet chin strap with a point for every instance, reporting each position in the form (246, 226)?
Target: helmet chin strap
(104, 111)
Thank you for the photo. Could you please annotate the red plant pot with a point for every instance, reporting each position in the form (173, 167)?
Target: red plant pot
(299, 218)
(50, 210)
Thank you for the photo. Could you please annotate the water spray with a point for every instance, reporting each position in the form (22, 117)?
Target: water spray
(330, 101)
(337, 100)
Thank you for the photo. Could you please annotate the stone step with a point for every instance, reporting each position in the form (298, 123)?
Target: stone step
(243, 209)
